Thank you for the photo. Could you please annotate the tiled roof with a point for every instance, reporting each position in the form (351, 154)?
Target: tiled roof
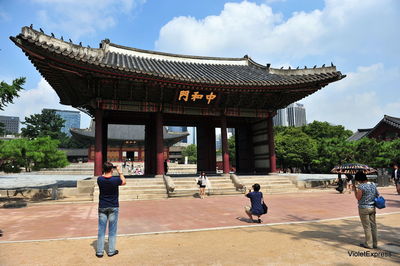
(180, 68)
(359, 134)
(126, 132)
(393, 121)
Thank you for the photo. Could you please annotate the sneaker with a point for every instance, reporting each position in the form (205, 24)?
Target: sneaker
(99, 255)
(364, 246)
(115, 253)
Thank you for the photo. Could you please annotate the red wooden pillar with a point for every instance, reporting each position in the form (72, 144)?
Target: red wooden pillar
(271, 145)
(225, 149)
(159, 144)
(98, 148)
(140, 154)
(148, 149)
(120, 153)
(104, 141)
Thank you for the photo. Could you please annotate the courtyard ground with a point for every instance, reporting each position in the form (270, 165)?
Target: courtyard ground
(304, 227)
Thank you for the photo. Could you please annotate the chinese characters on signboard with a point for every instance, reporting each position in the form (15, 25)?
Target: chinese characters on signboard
(196, 96)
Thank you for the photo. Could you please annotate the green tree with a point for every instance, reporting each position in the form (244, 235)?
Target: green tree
(47, 123)
(51, 156)
(332, 152)
(191, 152)
(294, 148)
(9, 92)
(321, 130)
(37, 153)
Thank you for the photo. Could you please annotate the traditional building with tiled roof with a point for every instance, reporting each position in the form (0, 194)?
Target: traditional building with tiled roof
(387, 129)
(121, 85)
(125, 142)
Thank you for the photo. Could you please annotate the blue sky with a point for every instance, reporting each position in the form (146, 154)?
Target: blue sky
(361, 37)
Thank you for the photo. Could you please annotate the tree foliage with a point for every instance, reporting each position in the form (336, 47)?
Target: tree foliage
(47, 123)
(9, 92)
(294, 148)
(319, 146)
(191, 152)
(34, 154)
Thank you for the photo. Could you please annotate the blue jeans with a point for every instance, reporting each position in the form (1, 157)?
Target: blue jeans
(110, 215)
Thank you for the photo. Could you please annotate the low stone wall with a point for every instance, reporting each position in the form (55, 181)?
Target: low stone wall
(36, 194)
(304, 181)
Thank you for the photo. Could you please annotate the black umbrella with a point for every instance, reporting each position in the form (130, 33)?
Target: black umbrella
(352, 168)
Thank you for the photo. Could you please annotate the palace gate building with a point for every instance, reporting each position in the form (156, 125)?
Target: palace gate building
(122, 85)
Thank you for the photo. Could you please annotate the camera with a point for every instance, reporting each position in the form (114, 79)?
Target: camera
(114, 167)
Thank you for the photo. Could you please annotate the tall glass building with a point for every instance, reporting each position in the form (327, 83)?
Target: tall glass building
(293, 115)
(72, 119)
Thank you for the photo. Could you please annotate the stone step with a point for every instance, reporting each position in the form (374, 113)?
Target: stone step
(131, 187)
(143, 192)
(142, 197)
(249, 184)
(194, 192)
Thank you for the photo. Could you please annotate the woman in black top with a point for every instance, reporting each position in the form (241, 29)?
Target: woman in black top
(340, 184)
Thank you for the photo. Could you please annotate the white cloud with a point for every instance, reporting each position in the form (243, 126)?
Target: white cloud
(355, 27)
(360, 36)
(358, 101)
(32, 101)
(79, 18)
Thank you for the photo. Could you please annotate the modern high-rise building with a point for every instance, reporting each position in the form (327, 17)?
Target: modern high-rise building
(280, 119)
(296, 114)
(10, 123)
(179, 129)
(72, 119)
(293, 115)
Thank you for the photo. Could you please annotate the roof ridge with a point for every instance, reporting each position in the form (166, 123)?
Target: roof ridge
(106, 43)
(303, 71)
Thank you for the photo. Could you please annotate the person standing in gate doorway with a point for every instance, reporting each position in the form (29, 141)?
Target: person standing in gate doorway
(256, 199)
(366, 193)
(165, 167)
(202, 182)
(396, 177)
(108, 207)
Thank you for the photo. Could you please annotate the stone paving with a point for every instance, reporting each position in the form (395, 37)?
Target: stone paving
(54, 221)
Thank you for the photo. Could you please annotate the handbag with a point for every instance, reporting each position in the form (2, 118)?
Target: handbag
(199, 182)
(380, 202)
(265, 207)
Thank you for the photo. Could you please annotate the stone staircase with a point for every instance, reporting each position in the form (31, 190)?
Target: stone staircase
(270, 184)
(139, 189)
(174, 169)
(187, 187)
